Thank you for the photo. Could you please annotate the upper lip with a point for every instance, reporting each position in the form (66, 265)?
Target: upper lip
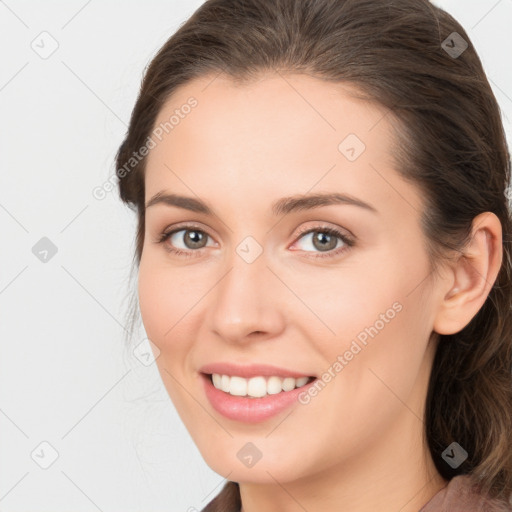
(250, 370)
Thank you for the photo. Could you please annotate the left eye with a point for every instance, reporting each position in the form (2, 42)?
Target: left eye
(325, 239)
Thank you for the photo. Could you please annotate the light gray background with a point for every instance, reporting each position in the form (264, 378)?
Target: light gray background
(66, 377)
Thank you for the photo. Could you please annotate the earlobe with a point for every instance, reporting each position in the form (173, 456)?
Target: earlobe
(472, 276)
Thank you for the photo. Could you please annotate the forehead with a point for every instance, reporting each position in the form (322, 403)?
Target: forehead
(273, 113)
(278, 133)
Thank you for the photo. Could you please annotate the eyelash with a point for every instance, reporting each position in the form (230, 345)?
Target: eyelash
(349, 242)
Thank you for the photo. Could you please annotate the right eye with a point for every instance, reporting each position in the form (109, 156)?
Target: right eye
(192, 240)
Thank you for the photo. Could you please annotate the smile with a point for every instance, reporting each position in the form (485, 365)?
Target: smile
(262, 393)
(257, 387)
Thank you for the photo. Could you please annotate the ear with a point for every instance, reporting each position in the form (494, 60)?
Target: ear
(472, 276)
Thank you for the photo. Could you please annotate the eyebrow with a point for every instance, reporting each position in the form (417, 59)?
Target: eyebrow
(282, 206)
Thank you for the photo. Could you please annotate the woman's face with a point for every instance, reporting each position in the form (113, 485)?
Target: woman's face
(251, 289)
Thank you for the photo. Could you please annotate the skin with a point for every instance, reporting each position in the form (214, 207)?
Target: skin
(357, 445)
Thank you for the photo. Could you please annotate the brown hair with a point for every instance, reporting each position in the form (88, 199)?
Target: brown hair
(450, 142)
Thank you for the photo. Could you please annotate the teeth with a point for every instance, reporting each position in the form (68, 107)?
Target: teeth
(256, 387)
(288, 384)
(238, 386)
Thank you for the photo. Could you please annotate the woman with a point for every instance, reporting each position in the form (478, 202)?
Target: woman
(323, 254)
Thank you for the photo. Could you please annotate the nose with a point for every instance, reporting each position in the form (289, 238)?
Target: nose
(246, 304)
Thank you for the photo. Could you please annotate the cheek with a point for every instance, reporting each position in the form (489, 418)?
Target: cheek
(349, 300)
(153, 303)
(382, 321)
(163, 310)
(386, 355)
(161, 301)
(170, 307)
(378, 377)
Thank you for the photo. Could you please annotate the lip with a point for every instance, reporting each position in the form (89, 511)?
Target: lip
(251, 410)
(251, 370)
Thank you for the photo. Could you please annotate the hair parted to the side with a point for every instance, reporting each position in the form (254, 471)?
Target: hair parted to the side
(450, 142)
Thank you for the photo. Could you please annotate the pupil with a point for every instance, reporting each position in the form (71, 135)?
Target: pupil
(324, 237)
(194, 237)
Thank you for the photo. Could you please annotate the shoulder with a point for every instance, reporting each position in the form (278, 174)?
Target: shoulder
(459, 494)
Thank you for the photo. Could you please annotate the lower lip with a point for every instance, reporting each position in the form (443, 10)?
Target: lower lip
(250, 410)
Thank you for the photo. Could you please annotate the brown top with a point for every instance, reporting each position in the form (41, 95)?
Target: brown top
(457, 496)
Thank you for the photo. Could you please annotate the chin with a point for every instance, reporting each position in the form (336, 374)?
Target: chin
(259, 461)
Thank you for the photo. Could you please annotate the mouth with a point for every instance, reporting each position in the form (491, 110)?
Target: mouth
(258, 386)
(253, 399)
